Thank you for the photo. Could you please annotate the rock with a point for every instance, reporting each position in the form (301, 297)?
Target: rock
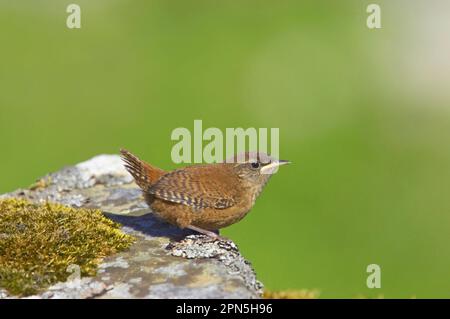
(165, 262)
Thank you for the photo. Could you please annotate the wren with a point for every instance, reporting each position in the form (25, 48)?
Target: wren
(203, 197)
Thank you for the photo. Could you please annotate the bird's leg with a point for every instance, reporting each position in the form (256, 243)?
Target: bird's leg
(204, 231)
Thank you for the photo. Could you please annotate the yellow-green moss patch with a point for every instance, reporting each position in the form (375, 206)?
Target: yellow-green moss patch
(41, 183)
(39, 241)
(291, 294)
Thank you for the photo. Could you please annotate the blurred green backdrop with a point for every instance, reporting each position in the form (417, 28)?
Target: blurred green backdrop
(363, 114)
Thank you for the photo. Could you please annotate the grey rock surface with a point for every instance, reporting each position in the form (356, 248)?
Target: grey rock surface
(165, 262)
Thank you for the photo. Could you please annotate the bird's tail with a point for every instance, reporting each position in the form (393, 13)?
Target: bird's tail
(143, 173)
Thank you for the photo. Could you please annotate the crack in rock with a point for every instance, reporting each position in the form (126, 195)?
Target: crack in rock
(201, 246)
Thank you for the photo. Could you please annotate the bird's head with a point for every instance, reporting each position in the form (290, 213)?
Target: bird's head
(255, 168)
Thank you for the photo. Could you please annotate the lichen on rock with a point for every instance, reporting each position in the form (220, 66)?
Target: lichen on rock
(225, 251)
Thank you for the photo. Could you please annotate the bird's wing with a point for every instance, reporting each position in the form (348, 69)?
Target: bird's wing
(201, 186)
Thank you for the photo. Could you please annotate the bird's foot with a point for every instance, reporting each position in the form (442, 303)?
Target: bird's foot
(210, 235)
(216, 238)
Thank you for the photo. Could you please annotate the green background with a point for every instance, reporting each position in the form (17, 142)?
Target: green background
(364, 115)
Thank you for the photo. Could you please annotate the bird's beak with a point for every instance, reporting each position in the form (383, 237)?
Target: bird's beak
(273, 167)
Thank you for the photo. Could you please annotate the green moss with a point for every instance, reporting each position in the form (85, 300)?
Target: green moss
(39, 241)
(41, 183)
(291, 294)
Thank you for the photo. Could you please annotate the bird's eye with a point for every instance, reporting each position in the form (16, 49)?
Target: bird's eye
(255, 165)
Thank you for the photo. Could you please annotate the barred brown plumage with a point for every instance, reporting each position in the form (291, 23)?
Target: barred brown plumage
(143, 173)
(203, 197)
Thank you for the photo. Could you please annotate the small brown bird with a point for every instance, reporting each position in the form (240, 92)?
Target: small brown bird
(204, 197)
